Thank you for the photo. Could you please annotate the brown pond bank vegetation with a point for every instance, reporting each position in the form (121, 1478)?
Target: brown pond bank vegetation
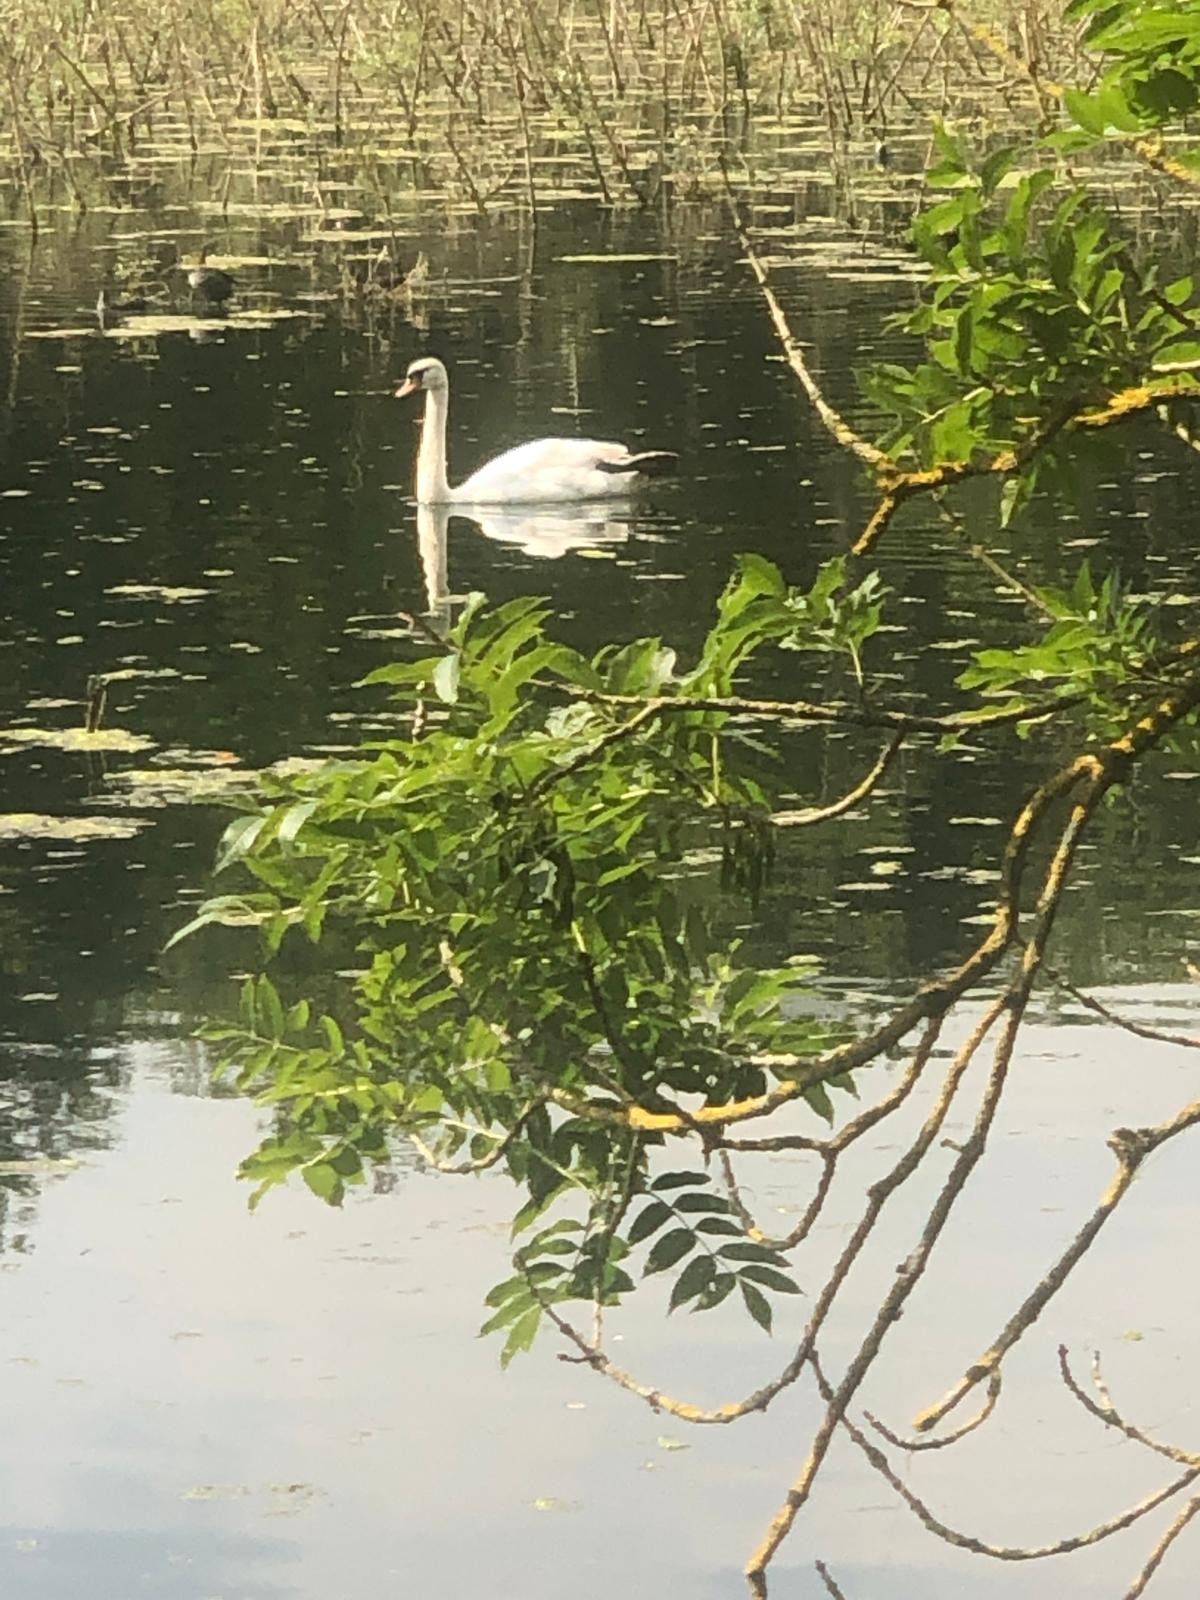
(497, 104)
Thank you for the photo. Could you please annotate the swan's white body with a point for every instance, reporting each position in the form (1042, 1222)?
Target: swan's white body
(542, 472)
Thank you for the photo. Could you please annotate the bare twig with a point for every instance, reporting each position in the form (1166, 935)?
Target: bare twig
(998, 1552)
(503, 1144)
(1188, 1041)
(1102, 1408)
(1186, 1513)
(834, 422)
(995, 1383)
(829, 1581)
(814, 814)
(1130, 1146)
(1097, 773)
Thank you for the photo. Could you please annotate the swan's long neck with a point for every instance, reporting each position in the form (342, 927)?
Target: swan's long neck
(432, 487)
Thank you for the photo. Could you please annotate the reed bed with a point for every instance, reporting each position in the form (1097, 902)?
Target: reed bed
(496, 104)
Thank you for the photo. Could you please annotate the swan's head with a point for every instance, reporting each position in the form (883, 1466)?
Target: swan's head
(427, 373)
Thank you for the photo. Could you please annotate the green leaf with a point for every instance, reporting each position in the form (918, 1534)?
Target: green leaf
(446, 678)
(817, 1096)
(270, 1009)
(964, 341)
(995, 165)
(719, 1290)
(508, 1313)
(238, 840)
(1016, 219)
(748, 1250)
(772, 1278)
(757, 1305)
(753, 578)
(324, 1182)
(293, 819)
(702, 1202)
(724, 1226)
(692, 1281)
(1180, 291)
(672, 1247)
(649, 1220)
(1086, 110)
(1180, 352)
(1117, 111)
(522, 1334)
(511, 1288)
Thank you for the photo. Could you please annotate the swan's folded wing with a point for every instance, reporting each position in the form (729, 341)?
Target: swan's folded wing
(644, 464)
(551, 470)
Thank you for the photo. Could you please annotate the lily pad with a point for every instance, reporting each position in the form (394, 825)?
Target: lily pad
(37, 1166)
(122, 674)
(75, 830)
(616, 260)
(150, 788)
(60, 333)
(97, 739)
(179, 595)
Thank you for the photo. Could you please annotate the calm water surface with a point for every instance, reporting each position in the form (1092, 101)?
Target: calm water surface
(201, 1404)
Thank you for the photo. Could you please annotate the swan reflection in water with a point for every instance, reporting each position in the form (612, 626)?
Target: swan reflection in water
(543, 531)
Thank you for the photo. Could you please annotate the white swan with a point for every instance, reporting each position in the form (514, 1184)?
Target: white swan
(544, 471)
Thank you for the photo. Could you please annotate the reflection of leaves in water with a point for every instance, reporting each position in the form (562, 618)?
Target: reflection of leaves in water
(38, 1166)
(76, 738)
(123, 674)
(290, 1498)
(153, 787)
(34, 825)
(149, 327)
(212, 777)
(158, 591)
(594, 260)
(134, 325)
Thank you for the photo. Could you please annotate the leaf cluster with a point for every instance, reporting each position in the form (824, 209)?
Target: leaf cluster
(1152, 64)
(1034, 311)
(1099, 643)
(520, 897)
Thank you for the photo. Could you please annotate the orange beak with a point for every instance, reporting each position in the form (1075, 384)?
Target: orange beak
(406, 388)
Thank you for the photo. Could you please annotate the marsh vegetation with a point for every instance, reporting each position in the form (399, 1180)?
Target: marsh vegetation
(490, 106)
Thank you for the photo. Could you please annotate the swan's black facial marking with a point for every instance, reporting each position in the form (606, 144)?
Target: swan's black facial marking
(412, 382)
(427, 373)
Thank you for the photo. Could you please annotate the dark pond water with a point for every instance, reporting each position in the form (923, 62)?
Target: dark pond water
(213, 512)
